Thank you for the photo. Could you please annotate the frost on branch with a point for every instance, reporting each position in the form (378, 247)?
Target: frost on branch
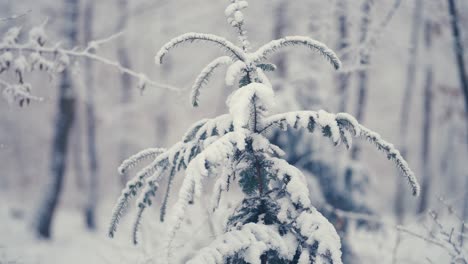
(274, 221)
(38, 54)
(312, 44)
(340, 128)
(254, 239)
(247, 66)
(204, 77)
(137, 158)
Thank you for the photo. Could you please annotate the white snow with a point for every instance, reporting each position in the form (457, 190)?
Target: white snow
(234, 71)
(240, 103)
(256, 238)
(316, 228)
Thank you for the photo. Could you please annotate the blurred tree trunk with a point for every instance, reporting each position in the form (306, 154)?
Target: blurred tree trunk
(407, 98)
(460, 60)
(363, 79)
(77, 147)
(92, 190)
(279, 28)
(63, 124)
(161, 122)
(343, 44)
(125, 81)
(426, 178)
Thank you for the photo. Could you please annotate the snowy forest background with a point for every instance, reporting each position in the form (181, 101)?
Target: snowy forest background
(400, 77)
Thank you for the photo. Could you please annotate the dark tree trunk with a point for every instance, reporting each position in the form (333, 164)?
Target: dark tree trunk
(63, 125)
(92, 190)
(363, 79)
(407, 99)
(460, 56)
(125, 81)
(279, 29)
(343, 43)
(77, 148)
(426, 178)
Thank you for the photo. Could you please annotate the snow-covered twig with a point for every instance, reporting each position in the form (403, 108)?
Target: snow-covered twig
(427, 239)
(205, 75)
(15, 16)
(233, 50)
(321, 48)
(338, 127)
(85, 53)
(37, 54)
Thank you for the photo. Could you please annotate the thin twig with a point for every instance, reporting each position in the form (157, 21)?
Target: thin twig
(16, 16)
(87, 53)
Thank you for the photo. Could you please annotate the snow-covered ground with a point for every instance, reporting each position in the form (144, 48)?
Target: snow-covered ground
(73, 244)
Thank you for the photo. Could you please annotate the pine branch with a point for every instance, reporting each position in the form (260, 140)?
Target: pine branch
(232, 49)
(309, 119)
(134, 160)
(204, 77)
(166, 196)
(275, 45)
(392, 154)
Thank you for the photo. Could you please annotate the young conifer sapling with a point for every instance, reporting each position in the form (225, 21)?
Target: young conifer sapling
(275, 222)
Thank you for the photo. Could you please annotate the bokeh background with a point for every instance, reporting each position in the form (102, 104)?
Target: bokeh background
(388, 49)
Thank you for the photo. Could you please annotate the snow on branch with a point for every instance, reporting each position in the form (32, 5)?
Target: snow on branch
(137, 158)
(316, 229)
(38, 54)
(198, 137)
(296, 184)
(15, 16)
(392, 154)
(233, 50)
(275, 45)
(249, 103)
(340, 127)
(197, 170)
(205, 75)
(252, 239)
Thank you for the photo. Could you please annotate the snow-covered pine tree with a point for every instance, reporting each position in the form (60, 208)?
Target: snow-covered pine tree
(275, 221)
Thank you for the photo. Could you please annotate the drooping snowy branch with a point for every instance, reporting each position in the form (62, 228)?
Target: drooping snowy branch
(171, 160)
(232, 49)
(312, 44)
(197, 170)
(392, 154)
(249, 65)
(140, 156)
(340, 127)
(204, 77)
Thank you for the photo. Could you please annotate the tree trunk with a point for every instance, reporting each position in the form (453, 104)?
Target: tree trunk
(125, 82)
(407, 99)
(77, 148)
(460, 55)
(363, 73)
(63, 124)
(426, 178)
(92, 190)
(343, 43)
(279, 29)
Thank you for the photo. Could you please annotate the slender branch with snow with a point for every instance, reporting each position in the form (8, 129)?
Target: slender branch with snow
(37, 54)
